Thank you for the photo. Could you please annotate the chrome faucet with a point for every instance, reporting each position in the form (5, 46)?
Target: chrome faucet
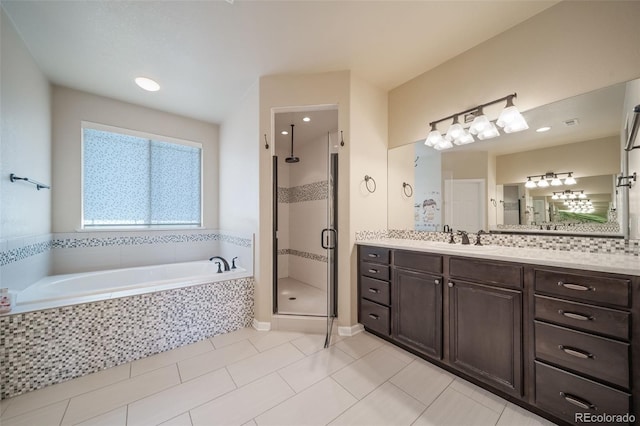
(224, 262)
(478, 234)
(465, 237)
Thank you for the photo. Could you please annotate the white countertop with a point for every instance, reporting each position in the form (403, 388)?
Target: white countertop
(614, 263)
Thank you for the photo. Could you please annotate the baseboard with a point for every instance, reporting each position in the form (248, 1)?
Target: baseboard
(351, 330)
(261, 326)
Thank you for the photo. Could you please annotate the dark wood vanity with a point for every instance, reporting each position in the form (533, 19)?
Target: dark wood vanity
(556, 341)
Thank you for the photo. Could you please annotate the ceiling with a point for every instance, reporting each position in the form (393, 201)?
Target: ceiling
(207, 54)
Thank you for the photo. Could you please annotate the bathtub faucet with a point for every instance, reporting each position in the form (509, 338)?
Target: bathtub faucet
(224, 262)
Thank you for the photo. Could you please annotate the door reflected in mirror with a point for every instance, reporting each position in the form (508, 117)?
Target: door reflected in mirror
(482, 185)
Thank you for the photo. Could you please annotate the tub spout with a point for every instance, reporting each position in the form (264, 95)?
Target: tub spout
(224, 262)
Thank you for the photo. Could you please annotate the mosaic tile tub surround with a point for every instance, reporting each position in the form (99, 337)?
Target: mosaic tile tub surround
(46, 347)
(548, 242)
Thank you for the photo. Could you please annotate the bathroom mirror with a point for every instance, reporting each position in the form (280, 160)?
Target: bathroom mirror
(482, 185)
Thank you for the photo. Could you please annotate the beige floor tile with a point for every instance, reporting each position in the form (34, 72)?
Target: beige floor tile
(399, 353)
(369, 372)
(480, 395)
(65, 390)
(169, 357)
(514, 415)
(312, 343)
(387, 405)
(4, 404)
(117, 417)
(243, 404)
(455, 409)
(422, 380)
(222, 340)
(181, 420)
(314, 368)
(171, 402)
(264, 363)
(317, 405)
(359, 345)
(269, 340)
(49, 415)
(215, 359)
(88, 405)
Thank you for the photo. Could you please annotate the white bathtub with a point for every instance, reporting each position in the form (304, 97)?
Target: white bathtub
(70, 289)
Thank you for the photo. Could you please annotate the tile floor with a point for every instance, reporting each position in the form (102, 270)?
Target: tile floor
(308, 300)
(268, 378)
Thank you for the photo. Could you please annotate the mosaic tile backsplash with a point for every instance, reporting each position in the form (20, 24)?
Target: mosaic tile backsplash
(549, 242)
(304, 254)
(308, 192)
(46, 347)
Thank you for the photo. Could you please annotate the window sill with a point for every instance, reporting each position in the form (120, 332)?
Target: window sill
(139, 228)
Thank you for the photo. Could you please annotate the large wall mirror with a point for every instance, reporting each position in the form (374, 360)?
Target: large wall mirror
(483, 185)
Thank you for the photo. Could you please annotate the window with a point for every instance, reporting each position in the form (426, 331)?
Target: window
(134, 179)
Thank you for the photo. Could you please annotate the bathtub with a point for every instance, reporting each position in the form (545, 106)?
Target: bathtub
(69, 289)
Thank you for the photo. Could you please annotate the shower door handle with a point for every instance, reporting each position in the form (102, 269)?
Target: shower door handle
(327, 241)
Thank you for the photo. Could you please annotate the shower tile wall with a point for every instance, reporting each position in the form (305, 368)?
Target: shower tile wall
(302, 212)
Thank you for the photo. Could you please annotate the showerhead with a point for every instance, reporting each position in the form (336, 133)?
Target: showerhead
(292, 158)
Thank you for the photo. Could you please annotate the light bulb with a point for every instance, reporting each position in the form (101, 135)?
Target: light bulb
(530, 183)
(542, 183)
(511, 119)
(555, 181)
(433, 138)
(454, 131)
(555, 196)
(570, 180)
(479, 124)
(582, 195)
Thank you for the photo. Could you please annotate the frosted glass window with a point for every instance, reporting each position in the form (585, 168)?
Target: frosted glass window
(137, 181)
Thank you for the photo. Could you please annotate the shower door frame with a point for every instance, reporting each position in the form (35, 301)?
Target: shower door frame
(332, 217)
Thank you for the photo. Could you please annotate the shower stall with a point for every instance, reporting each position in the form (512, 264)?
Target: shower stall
(305, 167)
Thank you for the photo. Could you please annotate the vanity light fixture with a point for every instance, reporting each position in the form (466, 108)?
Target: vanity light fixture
(569, 194)
(147, 84)
(544, 179)
(510, 120)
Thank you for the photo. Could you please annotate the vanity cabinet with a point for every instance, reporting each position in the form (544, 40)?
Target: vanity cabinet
(417, 296)
(558, 341)
(583, 352)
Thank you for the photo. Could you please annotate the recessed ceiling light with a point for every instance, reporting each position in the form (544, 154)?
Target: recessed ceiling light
(284, 132)
(147, 84)
(543, 129)
(306, 119)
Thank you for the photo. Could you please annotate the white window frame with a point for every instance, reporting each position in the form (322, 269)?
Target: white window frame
(145, 135)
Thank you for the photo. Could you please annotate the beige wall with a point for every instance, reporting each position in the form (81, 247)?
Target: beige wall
(238, 166)
(401, 168)
(26, 139)
(568, 49)
(70, 107)
(589, 158)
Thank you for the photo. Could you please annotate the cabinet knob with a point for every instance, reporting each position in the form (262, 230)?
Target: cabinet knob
(450, 284)
(436, 282)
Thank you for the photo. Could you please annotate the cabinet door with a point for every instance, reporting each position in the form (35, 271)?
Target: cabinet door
(417, 311)
(485, 327)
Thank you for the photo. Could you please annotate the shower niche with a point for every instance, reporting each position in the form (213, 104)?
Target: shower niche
(304, 210)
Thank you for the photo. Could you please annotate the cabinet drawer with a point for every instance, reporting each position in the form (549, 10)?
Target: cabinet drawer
(598, 289)
(375, 317)
(584, 317)
(375, 290)
(374, 254)
(374, 270)
(505, 274)
(595, 356)
(418, 261)
(565, 395)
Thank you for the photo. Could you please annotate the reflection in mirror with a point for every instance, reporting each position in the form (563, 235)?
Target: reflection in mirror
(482, 185)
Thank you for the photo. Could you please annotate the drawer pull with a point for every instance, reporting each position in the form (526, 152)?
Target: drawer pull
(578, 287)
(373, 255)
(575, 352)
(436, 282)
(450, 284)
(373, 271)
(374, 290)
(373, 316)
(578, 402)
(575, 315)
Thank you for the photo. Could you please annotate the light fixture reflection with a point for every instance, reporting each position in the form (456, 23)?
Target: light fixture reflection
(570, 180)
(530, 184)
(543, 183)
(555, 181)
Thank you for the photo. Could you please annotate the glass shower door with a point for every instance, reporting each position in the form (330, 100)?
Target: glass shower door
(330, 236)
